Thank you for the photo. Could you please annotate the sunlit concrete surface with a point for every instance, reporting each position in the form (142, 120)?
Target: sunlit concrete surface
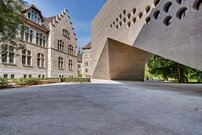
(102, 108)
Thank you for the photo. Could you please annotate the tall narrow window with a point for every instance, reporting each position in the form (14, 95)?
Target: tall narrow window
(60, 45)
(27, 34)
(70, 49)
(22, 32)
(60, 63)
(8, 54)
(40, 60)
(26, 58)
(70, 65)
(44, 41)
(31, 35)
(37, 38)
(41, 39)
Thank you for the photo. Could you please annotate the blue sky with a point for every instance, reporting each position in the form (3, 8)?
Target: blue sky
(82, 12)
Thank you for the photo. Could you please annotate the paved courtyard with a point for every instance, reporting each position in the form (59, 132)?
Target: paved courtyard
(102, 108)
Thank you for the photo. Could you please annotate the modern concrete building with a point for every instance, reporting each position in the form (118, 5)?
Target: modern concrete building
(86, 61)
(51, 48)
(126, 33)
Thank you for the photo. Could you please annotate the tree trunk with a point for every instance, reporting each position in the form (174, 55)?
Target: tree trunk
(180, 73)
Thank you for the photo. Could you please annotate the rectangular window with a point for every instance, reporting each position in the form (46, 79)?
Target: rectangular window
(39, 76)
(8, 54)
(44, 41)
(40, 39)
(29, 60)
(30, 76)
(37, 38)
(25, 76)
(29, 15)
(5, 75)
(12, 76)
(22, 33)
(27, 34)
(31, 35)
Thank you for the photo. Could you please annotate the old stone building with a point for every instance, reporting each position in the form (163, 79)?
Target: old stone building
(86, 61)
(51, 48)
(79, 64)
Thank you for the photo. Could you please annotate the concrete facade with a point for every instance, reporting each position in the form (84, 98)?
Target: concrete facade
(171, 29)
(41, 39)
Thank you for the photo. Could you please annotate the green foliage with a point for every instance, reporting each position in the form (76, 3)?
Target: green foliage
(80, 75)
(11, 21)
(28, 81)
(167, 69)
(3, 82)
(80, 80)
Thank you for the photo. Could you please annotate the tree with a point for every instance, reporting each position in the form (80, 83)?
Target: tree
(11, 23)
(166, 69)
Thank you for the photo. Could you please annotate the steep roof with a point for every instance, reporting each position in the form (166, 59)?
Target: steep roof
(88, 46)
(27, 7)
(50, 19)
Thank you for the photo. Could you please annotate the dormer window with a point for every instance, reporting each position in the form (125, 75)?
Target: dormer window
(34, 16)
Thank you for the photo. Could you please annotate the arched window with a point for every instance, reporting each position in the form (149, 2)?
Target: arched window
(113, 22)
(167, 20)
(140, 15)
(156, 14)
(70, 49)
(148, 20)
(181, 13)
(167, 6)
(156, 2)
(147, 9)
(134, 11)
(60, 63)
(197, 5)
(26, 58)
(134, 20)
(70, 65)
(40, 60)
(180, 1)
